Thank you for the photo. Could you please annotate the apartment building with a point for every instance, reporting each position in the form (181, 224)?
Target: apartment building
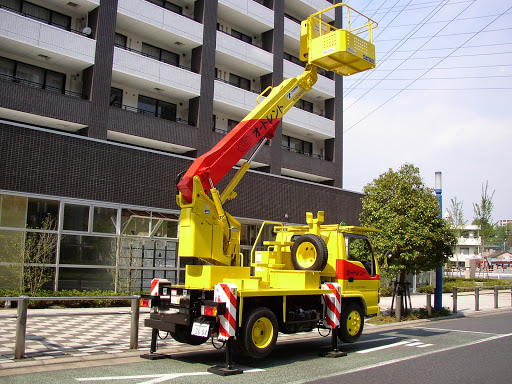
(103, 104)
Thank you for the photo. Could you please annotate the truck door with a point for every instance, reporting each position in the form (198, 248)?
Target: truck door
(358, 274)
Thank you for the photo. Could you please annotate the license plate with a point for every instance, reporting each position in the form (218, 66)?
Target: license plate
(200, 329)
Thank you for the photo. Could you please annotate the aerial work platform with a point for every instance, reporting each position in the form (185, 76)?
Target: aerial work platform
(343, 51)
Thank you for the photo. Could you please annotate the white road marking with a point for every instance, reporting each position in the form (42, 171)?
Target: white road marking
(457, 330)
(374, 340)
(387, 346)
(158, 378)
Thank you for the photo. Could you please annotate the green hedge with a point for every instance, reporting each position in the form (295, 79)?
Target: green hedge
(71, 304)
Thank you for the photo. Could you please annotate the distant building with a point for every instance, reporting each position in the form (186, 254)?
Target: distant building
(468, 245)
(503, 223)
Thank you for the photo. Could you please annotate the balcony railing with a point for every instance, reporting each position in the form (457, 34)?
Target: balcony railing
(153, 57)
(237, 85)
(169, 9)
(235, 37)
(45, 21)
(313, 155)
(150, 113)
(33, 84)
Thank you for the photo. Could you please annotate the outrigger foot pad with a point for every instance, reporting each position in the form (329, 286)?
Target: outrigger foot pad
(224, 371)
(332, 354)
(155, 356)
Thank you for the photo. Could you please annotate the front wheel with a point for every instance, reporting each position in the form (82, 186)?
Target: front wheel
(259, 333)
(351, 323)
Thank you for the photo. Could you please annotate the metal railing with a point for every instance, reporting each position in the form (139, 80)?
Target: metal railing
(495, 291)
(34, 84)
(22, 315)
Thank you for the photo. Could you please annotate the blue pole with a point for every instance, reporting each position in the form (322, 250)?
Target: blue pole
(438, 292)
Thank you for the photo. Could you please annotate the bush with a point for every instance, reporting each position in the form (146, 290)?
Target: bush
(426, 289)
(386, 291)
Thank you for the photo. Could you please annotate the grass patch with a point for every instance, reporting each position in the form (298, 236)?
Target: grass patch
(416, 314)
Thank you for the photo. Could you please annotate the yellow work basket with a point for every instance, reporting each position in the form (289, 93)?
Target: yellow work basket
(341, 51)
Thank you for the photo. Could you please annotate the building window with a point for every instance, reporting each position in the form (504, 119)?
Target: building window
(240, 82)
(44, 14)
(120, 40)
(304, 105)
(232, 124)
(168, 5)
(293, 59)
(116, 97)
(32, 75)
(38, 210)
(161, 54)
(104, 220)
(296, 145)
(157, 108)
(241, 36)
(76, 218)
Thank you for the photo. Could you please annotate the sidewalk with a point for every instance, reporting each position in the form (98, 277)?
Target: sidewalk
(90, 335)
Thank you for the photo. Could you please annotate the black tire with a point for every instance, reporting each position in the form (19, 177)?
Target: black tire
(309, 253)
(351, 323)
(259, 334)
(183, 335)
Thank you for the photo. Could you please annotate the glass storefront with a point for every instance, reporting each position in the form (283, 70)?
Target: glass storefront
(97, 245)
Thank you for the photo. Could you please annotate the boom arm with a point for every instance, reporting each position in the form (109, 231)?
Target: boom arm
(258, 124)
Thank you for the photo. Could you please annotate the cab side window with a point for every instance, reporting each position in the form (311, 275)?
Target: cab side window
(359, 249)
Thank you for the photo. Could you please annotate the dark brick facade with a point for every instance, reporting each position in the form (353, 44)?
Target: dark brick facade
(43, 162)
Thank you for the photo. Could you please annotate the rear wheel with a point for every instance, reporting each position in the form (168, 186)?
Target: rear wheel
(259, 333)
(309, 253)
(351, 323)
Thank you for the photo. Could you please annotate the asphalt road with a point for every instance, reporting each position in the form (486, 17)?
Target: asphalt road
(475, 349)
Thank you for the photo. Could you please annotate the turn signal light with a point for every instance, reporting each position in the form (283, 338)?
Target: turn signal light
(208, 310)
(144, 302)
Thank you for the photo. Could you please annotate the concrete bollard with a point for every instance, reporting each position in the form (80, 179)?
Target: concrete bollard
(21, 328)
(477, 298)
(429, 304)
(398, 308)
(496, 296)
(454, 300)
(134, 327)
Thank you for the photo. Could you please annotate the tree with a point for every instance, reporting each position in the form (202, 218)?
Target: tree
(32, 252)
(503, 236)
(456, 219)
(483, 215)
(407, 212)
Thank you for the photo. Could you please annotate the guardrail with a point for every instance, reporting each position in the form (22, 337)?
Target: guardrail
(477, 290)
(21, 318)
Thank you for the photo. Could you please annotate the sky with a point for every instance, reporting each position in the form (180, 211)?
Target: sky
(440, 98)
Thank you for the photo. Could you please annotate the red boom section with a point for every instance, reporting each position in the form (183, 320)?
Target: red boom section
(217, 162)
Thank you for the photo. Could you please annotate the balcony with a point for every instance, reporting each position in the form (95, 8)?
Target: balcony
(48, 88)
(37, 40)
(144, 73)
(253, 16)
(153, 23)
(306, 124)
(236, 54)
(234, 101)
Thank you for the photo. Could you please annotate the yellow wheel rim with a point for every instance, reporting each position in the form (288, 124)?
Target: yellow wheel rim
(353, 323)
(262, 332)
(306, 254)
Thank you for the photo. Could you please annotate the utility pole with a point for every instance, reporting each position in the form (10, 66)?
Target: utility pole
(438, 293)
